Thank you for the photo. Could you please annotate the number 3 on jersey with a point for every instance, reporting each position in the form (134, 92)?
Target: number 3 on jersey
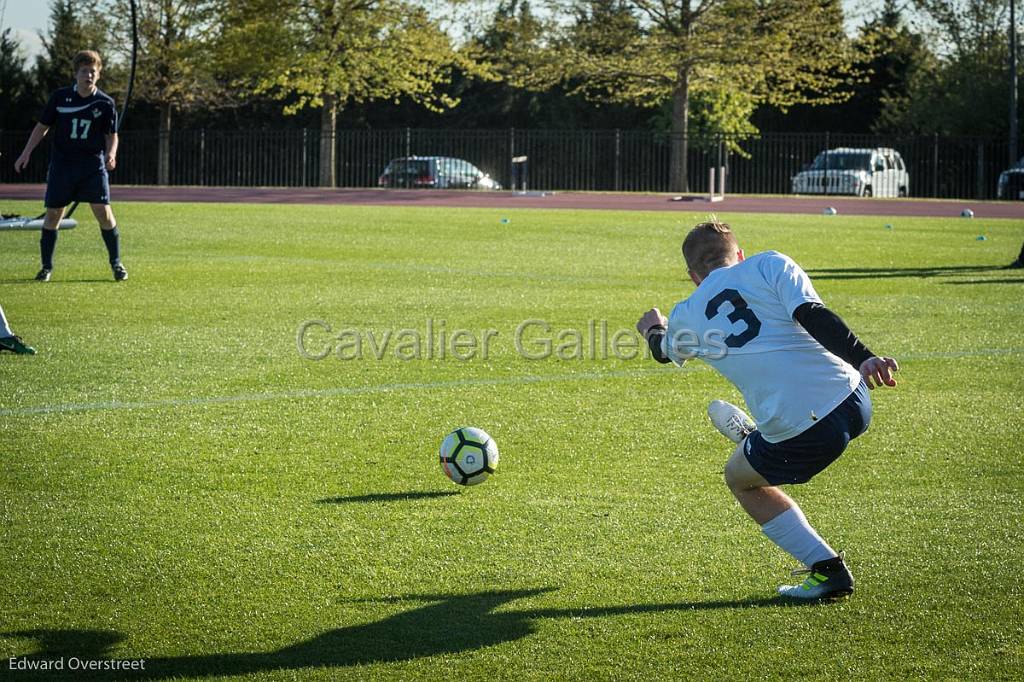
(740, 312)
(80, 128)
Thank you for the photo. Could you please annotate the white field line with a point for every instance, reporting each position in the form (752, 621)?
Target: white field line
(321, 393)
(420, 386)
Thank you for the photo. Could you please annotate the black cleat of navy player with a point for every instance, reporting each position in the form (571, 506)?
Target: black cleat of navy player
(44, 275)
(120, 273)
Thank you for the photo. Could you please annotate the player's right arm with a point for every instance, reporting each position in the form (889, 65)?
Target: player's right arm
(37, 135)
(653, 326)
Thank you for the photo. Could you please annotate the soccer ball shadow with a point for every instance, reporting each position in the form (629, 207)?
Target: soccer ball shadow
(407, 496)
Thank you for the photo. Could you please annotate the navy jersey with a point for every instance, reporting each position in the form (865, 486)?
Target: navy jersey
(79, 125)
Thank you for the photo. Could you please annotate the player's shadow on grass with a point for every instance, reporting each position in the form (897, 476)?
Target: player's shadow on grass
(445, 624)
(1007, 280)
(20, 280)
(388, 497)
(32, 280)
(884, 273)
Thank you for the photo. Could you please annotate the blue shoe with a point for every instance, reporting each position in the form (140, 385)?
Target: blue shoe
(44, 275)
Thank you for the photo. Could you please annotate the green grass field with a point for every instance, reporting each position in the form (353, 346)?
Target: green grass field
(180, 485)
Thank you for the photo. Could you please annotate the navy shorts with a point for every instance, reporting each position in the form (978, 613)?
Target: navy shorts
(800, 458)
(68, 182)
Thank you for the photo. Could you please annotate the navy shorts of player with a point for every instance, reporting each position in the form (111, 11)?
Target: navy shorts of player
(800, 458)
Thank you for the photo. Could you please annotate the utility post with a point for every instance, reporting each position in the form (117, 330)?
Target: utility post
(1013, 83)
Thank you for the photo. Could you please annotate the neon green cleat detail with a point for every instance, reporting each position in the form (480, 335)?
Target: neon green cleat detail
(829, 579)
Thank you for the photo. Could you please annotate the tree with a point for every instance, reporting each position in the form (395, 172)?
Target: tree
(900, 56)
(893, 54)
(513, 26)
(19, 103)
(735, 53)
(964, 92)
(957, 28)
(331, 53)
(175, 69)
(74, 26)
(488, 99)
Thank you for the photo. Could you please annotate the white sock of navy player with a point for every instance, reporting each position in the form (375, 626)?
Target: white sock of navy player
(790, 531)
(5, 330)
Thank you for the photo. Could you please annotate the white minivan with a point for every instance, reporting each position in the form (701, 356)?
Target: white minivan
(862, 172)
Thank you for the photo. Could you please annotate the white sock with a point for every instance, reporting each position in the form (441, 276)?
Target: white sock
(5, 331)
(790, 531)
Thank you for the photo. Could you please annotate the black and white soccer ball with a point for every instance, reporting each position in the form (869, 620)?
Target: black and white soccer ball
(468, 455)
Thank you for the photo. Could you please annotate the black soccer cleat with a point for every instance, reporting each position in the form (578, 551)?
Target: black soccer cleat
(44, 275)
(13, 344)
(120, 273)
(826, 580)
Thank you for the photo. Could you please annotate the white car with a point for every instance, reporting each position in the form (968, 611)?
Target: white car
(1011, 182)
(862, 172)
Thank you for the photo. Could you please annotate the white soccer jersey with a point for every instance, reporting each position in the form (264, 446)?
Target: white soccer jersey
(740, 321)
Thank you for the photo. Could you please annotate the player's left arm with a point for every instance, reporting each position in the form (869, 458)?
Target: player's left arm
(797, 294)
(111, 150)
(836, 337)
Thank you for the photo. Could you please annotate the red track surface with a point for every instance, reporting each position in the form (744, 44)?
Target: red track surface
(572, 200)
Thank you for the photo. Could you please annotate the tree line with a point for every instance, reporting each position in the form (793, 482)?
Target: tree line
(689, 67)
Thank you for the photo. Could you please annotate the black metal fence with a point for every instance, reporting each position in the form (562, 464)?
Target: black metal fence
(590, 160)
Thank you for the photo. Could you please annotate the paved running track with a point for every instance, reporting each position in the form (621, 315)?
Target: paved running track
(572, 200)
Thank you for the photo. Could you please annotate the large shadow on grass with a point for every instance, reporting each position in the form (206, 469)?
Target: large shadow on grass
(884, 273)
(444, 624)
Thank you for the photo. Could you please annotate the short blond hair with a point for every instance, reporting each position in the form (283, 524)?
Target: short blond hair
(708, 246)
(87, 58)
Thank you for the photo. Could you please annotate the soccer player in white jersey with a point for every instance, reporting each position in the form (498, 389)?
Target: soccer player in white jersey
(9, 342)
(803, 374)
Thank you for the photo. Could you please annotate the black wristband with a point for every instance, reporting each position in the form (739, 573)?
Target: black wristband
(654, 335)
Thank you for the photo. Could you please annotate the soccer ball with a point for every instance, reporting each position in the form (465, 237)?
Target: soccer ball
(468, 455)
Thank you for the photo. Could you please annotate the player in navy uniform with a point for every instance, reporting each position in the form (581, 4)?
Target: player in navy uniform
(84, 148)
(802, 373)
